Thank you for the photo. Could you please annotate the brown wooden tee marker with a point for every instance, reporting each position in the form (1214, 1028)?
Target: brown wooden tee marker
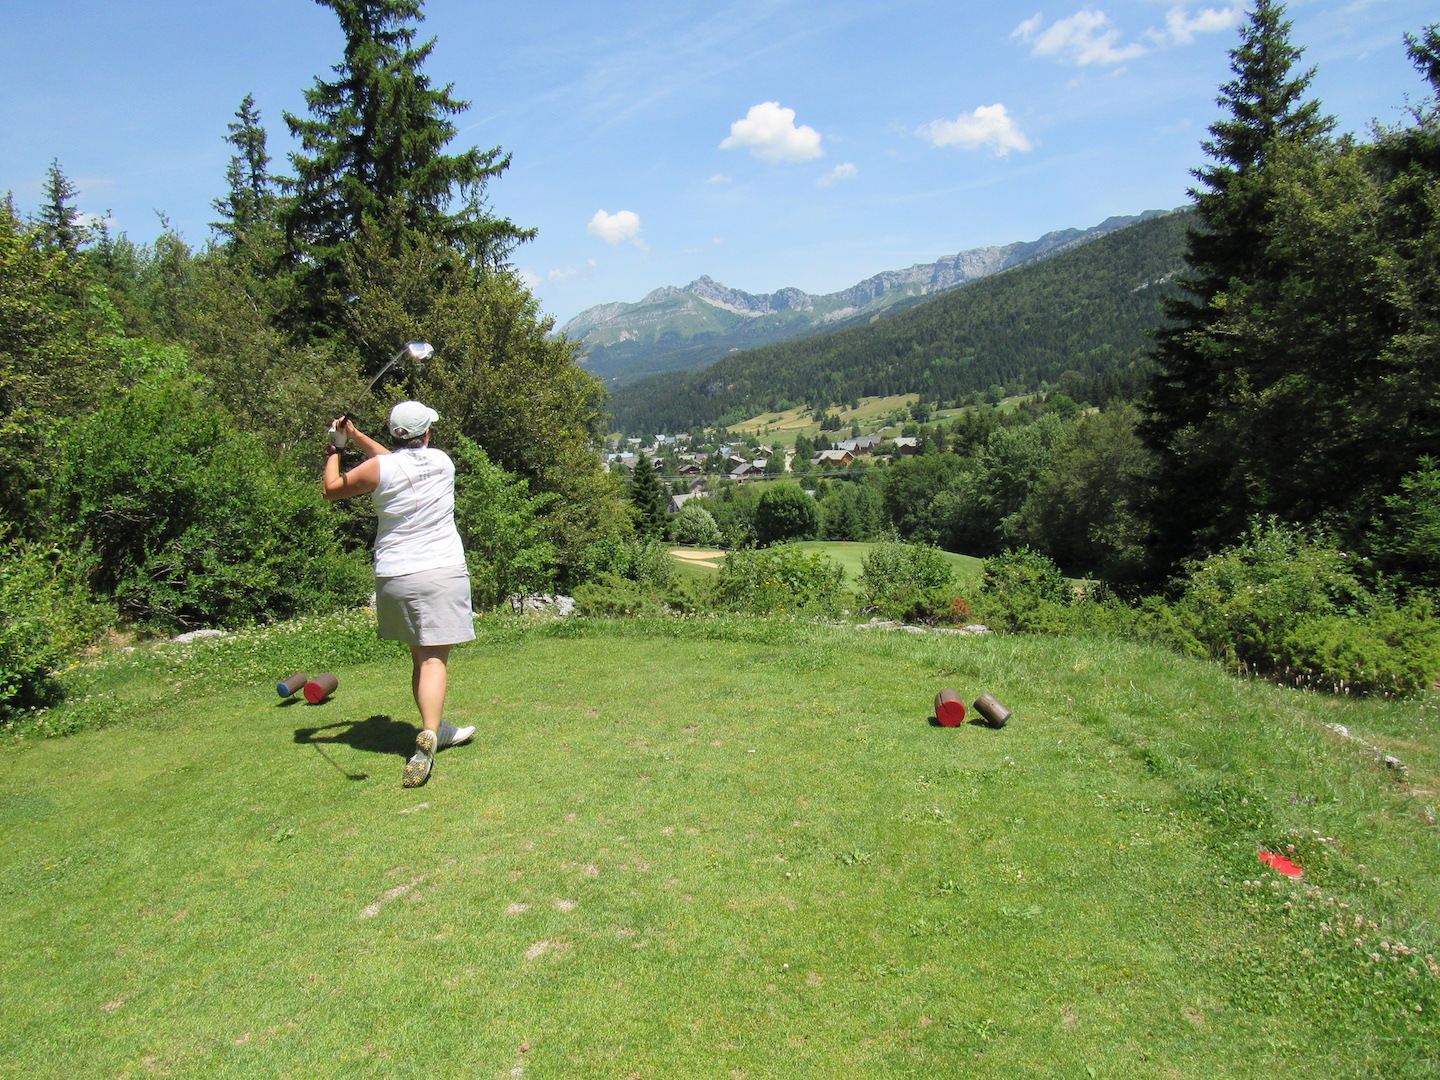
(991, 710)
(286, 687)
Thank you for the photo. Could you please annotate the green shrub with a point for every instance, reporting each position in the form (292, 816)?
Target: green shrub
(631, 576)
(500, 524)
(46, 615)
(780, 579)
(1022, 572)
(695, 526)
(612, 596)
(1023, 591)
(1286, 602)
(1239, 606)
(192, 523)
(909, 582)
(641, 559)
(1387, 651)
(784, 513)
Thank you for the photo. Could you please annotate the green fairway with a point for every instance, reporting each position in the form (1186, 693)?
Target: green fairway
(852, 557)
(699, 562)
(715, 848)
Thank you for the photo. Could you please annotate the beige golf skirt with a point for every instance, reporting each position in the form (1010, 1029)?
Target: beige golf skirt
(431, 607)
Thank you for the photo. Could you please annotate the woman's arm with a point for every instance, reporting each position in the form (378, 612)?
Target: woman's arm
(368, 445)
(360, 480)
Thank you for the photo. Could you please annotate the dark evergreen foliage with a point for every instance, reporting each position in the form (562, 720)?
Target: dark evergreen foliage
(1266, 114)
(60, 227)
(1299, 379)
(374, 143)
(647, 499)
(249, 211)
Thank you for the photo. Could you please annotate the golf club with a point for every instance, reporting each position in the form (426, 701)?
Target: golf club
(416, 350)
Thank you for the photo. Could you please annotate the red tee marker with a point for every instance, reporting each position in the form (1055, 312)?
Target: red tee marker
(1281, 864)
(949, 709)
(320, 687)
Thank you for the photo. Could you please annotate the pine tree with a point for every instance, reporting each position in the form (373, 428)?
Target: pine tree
(375, 141)
(249, 209)
(59, 227)
(647, 499)
(1199, 500)
(50, 368)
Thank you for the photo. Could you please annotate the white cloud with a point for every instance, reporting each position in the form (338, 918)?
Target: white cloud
(769, 132)
(1084, 38)
(94, 222)
(988, 126)
(1087, 37)
(616, 228)
(1181, 27)
(1029, 28)
(719, 178)
(560, 275)
(840, 172)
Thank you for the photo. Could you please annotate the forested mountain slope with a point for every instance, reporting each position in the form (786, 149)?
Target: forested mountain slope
(1086, 312)
(683, 329)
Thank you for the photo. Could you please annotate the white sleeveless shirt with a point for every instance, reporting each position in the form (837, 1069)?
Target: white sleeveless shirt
(415, 504)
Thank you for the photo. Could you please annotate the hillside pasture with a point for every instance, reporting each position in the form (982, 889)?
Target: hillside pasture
(801, 421)
(780, 428)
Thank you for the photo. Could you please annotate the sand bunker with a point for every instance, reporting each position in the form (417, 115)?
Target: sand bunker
(700, 558)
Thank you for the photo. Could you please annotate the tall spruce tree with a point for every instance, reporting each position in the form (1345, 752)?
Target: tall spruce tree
(248, 210)
(60, 228)
(1201, 362)
(647, 499)
(375, 143)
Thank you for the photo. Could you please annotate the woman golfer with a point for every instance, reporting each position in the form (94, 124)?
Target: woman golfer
(422, 589)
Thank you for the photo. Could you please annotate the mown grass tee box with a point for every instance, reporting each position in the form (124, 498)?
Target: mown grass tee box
(713, 847)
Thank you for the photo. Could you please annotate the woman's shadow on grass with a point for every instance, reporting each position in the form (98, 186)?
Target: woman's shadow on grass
(378, 734)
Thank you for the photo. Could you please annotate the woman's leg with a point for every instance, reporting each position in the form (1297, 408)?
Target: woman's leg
(429, 678)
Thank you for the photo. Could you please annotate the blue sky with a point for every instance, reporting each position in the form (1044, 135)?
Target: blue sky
(767, 143)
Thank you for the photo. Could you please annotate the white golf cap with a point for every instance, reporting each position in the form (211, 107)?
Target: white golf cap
(410, 419)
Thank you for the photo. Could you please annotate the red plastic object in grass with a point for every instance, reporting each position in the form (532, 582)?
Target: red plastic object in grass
(1281, 864)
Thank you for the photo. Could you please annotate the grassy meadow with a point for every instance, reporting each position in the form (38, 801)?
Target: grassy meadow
(780, 428)
(714, 847)
(785, 425)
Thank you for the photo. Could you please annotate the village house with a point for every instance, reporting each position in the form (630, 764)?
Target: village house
(749, 470)
(677, 501)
